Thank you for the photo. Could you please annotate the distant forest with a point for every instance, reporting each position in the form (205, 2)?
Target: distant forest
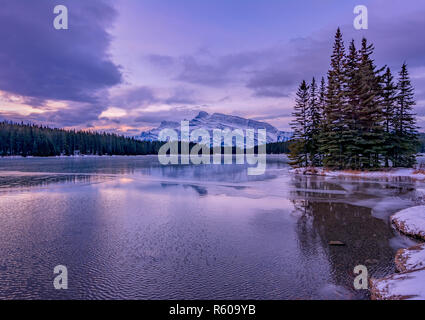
(359, 118)
(33, 140)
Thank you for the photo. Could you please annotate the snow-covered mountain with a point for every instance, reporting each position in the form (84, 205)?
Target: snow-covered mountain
(219, 121)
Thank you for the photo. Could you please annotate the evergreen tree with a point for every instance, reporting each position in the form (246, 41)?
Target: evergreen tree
(322, 96)
(389, 96)
(314, 120)
(351, 108)
(371, 137)
(405, 130)
(300, 126)
(333, 127)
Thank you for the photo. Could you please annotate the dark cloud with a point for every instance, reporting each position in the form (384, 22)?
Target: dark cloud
(73, 115)
(203, 68)
(273, 83)
(135, 97)
(289, 64)
(40, 62)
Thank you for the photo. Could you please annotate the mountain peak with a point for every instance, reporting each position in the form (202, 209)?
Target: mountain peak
(202, 114)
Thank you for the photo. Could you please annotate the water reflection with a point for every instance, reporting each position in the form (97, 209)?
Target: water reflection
(129, 228)
(17, 181)
(326, 217)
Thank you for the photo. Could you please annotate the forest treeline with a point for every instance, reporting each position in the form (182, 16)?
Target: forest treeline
(33, 140)
(360, 117)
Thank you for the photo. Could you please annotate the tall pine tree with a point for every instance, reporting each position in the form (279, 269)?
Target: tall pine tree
(300, 126)
(314, 119)
(351, 108)
(331, 137)
(404, 121)
(389, 97)
(371, 138)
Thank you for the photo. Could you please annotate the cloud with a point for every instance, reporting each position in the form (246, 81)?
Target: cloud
(162, 61)
(153, 118)
(270, 72)
(216, 73)
(141, 97)
(40, 62)
(134, 97)
(273, 83)
(205, 68)
(182, 95)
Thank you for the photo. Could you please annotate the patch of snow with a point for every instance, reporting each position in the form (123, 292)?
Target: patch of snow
(411, 221)
(392, 173)
(403, 286)
(411, 259)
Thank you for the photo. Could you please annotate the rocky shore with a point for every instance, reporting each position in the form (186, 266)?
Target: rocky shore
(409, 282)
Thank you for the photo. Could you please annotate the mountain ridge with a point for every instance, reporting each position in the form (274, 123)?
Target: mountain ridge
(221, 121)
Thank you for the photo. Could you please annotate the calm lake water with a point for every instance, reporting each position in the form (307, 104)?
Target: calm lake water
(129, 228)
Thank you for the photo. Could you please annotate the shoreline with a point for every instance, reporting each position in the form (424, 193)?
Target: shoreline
(414, 173)
(409, 280)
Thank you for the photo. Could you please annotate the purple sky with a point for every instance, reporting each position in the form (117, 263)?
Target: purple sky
(125, 65)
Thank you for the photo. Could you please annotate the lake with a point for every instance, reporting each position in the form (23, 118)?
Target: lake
(129, 228)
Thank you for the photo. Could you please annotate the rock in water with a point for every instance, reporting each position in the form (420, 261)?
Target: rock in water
(411, 221)
(402, 286)
(410, 259)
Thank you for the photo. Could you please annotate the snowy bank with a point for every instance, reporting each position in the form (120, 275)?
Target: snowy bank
(411, 221)
(403, 286)
(410, 283)
(410, 259)
(387, 173)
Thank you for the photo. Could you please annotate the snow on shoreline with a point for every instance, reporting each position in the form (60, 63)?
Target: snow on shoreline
(410, 282)
(390, 173)
(402, 286)
(411, 221)
(410, 259)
